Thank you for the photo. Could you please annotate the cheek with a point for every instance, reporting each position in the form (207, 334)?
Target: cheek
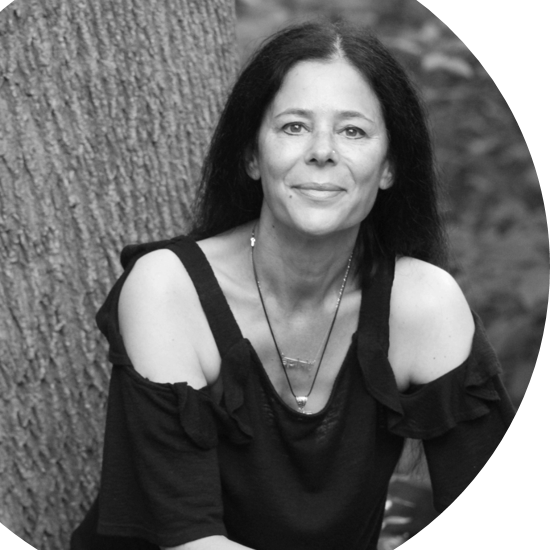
(368, 170)
(278, 156)
(366, 190)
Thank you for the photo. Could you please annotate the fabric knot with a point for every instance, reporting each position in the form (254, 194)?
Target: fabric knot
(196, 415)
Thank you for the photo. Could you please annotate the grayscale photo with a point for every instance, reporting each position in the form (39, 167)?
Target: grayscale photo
(274, 273)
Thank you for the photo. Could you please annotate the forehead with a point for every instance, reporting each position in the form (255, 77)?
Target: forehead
(333, 84)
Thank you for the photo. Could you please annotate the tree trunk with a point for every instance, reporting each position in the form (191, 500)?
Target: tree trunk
(106, 107)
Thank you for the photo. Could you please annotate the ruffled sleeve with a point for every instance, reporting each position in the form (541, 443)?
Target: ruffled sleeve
(461, 416)
(160, 477)
(458, 455)
(229, 405)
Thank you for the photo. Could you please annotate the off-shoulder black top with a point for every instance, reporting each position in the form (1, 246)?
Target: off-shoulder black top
(233, 459)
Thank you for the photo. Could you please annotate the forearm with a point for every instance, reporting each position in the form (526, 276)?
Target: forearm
(210, 543)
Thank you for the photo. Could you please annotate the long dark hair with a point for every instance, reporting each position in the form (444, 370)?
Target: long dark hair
(405, 219)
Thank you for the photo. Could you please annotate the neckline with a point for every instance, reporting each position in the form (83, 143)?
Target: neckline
(227, 332)
(284, 405)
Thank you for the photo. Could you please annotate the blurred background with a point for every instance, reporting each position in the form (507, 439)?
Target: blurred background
(492, 199)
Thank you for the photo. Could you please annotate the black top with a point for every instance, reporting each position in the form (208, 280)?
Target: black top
(235, 460)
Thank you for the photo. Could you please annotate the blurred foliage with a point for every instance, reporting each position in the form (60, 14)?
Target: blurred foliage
(408, 510)
(492, 199)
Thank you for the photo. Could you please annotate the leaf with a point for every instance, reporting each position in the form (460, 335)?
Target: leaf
(397, 520)
(533, 288)
(390, 543)
(437, 61)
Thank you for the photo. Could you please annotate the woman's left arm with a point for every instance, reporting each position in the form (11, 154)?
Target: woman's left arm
(442, 357)
(431, 324)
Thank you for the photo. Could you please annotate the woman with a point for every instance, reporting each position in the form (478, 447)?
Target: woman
(267, 374)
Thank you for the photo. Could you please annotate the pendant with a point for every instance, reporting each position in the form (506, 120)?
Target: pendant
(290, 363)
(301, 401)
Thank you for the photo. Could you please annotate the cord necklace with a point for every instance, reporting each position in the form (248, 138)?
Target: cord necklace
(301, 400)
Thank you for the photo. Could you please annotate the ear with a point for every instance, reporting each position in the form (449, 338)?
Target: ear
(251, 164)
(386, 181)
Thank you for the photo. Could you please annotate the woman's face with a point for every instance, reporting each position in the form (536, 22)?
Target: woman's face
(321, 151)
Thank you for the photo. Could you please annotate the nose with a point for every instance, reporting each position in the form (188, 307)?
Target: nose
(322, 150)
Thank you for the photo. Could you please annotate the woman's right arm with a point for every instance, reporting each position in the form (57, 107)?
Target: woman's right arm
(168, 339)
(163, 326)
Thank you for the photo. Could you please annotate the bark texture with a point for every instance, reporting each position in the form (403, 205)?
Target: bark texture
(106, 107)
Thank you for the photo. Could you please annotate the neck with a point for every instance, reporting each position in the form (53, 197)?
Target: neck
(302, 270)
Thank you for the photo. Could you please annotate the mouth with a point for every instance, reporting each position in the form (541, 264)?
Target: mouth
(318, 190)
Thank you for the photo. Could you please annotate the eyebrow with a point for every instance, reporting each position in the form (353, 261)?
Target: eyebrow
(307, 113)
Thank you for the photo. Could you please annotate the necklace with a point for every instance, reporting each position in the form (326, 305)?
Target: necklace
(301, 400)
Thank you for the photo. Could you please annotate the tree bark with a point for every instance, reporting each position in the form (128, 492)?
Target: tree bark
(106, 107)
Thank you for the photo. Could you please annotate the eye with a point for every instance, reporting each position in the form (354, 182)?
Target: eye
(294, 128)
(354, 132)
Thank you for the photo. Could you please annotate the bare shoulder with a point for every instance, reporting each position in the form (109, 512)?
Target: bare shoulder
(162, 323)
(434, 284)
(431, 325)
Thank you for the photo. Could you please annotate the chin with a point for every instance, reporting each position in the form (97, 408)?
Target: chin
(319, 228)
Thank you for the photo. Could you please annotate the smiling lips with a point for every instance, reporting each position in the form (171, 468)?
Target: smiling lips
(318, 190)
